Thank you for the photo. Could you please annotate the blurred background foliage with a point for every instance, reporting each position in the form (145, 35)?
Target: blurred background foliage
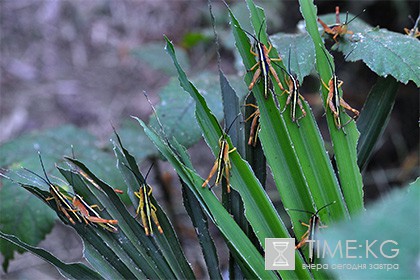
(86, 63)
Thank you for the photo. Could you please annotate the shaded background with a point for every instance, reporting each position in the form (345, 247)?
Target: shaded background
(72, 62)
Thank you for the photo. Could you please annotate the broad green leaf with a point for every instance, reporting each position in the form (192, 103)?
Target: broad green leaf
(387, 53)
(24, 216)
(22, 152)
(176, 107)
(374, 117)
(344, 144)
(152, 54)
(386, 239)
(383, 51)
(192, 39)
(70, 271)
(239, 244)
(302, 52)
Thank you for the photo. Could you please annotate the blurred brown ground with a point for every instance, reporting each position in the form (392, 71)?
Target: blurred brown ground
(68, 62)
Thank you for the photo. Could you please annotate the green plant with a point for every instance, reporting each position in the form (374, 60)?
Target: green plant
(303, 173)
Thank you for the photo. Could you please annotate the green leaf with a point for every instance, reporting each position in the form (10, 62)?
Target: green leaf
(302, 52)
(383, 51)
(191, 39)
(263, 217)
(296, 155)
(393, 219)
(31, 225)
(387, 53)
(344, 144)
(152, 55)
(71, 271)
(233, 202)
(375, 116)
(199, 221)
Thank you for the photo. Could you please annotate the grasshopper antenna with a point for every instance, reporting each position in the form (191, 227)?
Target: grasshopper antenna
(259, 31)
(157, 117)
(312, 213)
(316, 213)
(356, 16)
(328, 59)
(250, 34)
(230, 126)
(137, 176)
(148, 171)
(46, 179)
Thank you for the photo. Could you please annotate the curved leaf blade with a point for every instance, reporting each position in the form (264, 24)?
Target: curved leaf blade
(374, 117)
(71, 271)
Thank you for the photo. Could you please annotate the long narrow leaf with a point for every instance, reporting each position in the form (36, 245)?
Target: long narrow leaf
(304, 171)
(344, 144)
(259, 210)
(375, 116)
(71, 271)
(199, 221)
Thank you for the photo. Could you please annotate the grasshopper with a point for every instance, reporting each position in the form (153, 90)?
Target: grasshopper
(222, 163)
(313, 225)
(264, 64)
(334, 101)
(338, 29)
(146, 209)
(294, 97)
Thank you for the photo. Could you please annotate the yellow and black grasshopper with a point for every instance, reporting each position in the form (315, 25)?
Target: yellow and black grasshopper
(294, 97)
(264, 64)
(222, 163)
(146, 209)
(310, 235)
(334, 100)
